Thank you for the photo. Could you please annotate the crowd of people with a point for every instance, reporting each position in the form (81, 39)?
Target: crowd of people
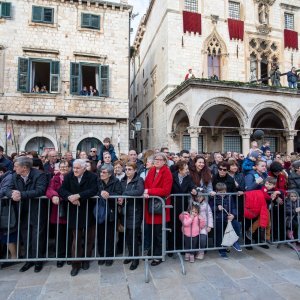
(92, 92)
(217, 188)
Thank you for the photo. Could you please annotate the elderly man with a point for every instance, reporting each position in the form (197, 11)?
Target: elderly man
(28, 184)
(78, 186)
(49, 166)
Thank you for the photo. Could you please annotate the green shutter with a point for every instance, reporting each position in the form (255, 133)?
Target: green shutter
(23, 75)
(104, 81)
(37, 14)
(5, 9)
(85, 20)
(74, 80)
(48, 15)
(54, 77)
(95, 21)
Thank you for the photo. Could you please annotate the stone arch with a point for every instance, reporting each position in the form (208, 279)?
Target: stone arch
(235, 107)
(38, 134)
(82, 137)
(284, 114)
(295, 119)
(175, 110)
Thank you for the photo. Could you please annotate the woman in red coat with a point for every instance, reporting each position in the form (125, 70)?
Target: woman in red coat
(158, 182)
(58, 213)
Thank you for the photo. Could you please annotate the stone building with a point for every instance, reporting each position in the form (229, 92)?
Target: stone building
(50, 50)
(229, 45)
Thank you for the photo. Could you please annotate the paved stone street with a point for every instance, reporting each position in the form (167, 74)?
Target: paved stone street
(258, 274)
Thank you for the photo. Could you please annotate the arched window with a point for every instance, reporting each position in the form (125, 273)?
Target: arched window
(191, 5)
(214, 53)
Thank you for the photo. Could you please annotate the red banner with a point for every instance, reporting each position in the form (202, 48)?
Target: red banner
(290, 39)
(236, 29)
(191, 22)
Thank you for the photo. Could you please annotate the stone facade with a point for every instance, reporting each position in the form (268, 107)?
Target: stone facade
(163, 53)
(62, 117)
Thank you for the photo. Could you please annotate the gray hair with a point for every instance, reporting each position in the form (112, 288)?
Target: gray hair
(24, 161)
(108, 168)
(163, 155)
(296, 164)
(80, 162)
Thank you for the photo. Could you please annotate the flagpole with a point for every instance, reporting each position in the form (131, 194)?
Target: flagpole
(6, 135)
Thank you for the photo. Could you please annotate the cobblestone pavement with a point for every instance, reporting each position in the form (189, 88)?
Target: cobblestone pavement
(258, 274)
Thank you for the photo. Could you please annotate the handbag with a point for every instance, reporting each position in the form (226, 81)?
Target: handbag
(230, 237)
(104, 212)
(7, 211)
(155, 206)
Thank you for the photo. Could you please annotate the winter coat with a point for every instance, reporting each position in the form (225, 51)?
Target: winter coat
(206, 214)
(250, 182)
(111, 151)
(185, 187)
(229, 203)
(191, 227)
(87, 188)
(228, 180)
(7, 163)
(34, 188)
(113, 187)
(247, 165)
(214, 169)
(255, 205)
(5, 181)
(290, 211)
(240, 180)
(292, 77)
(294, 182)
(51, 192)
(158, 185)
(134, 207)
(282, 181)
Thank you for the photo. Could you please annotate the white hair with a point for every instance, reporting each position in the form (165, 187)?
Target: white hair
(81, 162)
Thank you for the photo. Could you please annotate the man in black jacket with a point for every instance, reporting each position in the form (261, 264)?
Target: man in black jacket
(28, 184)
(77, 187)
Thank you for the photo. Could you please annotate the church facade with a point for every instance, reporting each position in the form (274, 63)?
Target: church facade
(229, 48)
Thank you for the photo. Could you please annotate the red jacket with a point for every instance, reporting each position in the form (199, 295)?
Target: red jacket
(52, 189)
(159, 185)
(281, 184)
(255, 206)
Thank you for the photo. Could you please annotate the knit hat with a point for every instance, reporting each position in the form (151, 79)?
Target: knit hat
(254, 154)
(276, 166)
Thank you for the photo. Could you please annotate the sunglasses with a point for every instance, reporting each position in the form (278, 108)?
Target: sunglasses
(221, 169)
(93, 151)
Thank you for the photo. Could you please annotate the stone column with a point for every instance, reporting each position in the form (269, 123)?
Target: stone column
(245, 134)
(194, 135)
(289, 137)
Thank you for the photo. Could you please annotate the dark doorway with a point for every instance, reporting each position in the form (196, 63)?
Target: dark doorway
(87, 144)
(41, 74)
(264, 72)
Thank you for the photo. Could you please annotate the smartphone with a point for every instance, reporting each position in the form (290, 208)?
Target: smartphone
(256, 176)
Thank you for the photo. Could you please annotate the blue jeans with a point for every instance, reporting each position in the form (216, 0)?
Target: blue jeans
(292, 85)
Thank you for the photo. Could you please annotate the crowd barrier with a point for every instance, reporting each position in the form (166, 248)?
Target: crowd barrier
(37, 230)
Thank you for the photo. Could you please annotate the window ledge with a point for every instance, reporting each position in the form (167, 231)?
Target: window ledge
(39, 95)
(94, 31)
(89, 98)
(34, 24)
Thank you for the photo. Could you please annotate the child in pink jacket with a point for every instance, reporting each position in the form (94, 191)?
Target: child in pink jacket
(192, 224)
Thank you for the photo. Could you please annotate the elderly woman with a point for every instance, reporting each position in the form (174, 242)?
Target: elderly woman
(77, 188)
(133, 186)
(58, 213)
(108, 185)
(157, 183)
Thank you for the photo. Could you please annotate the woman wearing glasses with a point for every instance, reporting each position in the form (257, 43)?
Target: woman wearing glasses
(133, 186)
(158, 182)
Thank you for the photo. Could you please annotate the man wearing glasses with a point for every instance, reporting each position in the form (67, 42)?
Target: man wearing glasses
(49, 166)
(223, 177)
(184, 156)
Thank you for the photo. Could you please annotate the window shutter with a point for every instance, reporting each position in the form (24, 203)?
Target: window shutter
(74, 80)
(5, 9)
(54, 77)
(85, 20)
(37, 14)
(104, 81)
(48, 15)
(23, 74)
(95, 21)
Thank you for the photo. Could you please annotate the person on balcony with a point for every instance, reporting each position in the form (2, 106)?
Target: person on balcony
(292, 78)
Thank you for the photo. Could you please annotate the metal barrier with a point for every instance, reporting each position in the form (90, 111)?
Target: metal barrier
(38, 231)
(249, 230)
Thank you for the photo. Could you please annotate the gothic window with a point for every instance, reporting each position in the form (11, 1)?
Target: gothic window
(191, 5)
(289, 21)
(234, 10)
(213, 60)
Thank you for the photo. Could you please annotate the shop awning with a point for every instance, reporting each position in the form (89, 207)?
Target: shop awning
(31, 118)
(92, 121)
